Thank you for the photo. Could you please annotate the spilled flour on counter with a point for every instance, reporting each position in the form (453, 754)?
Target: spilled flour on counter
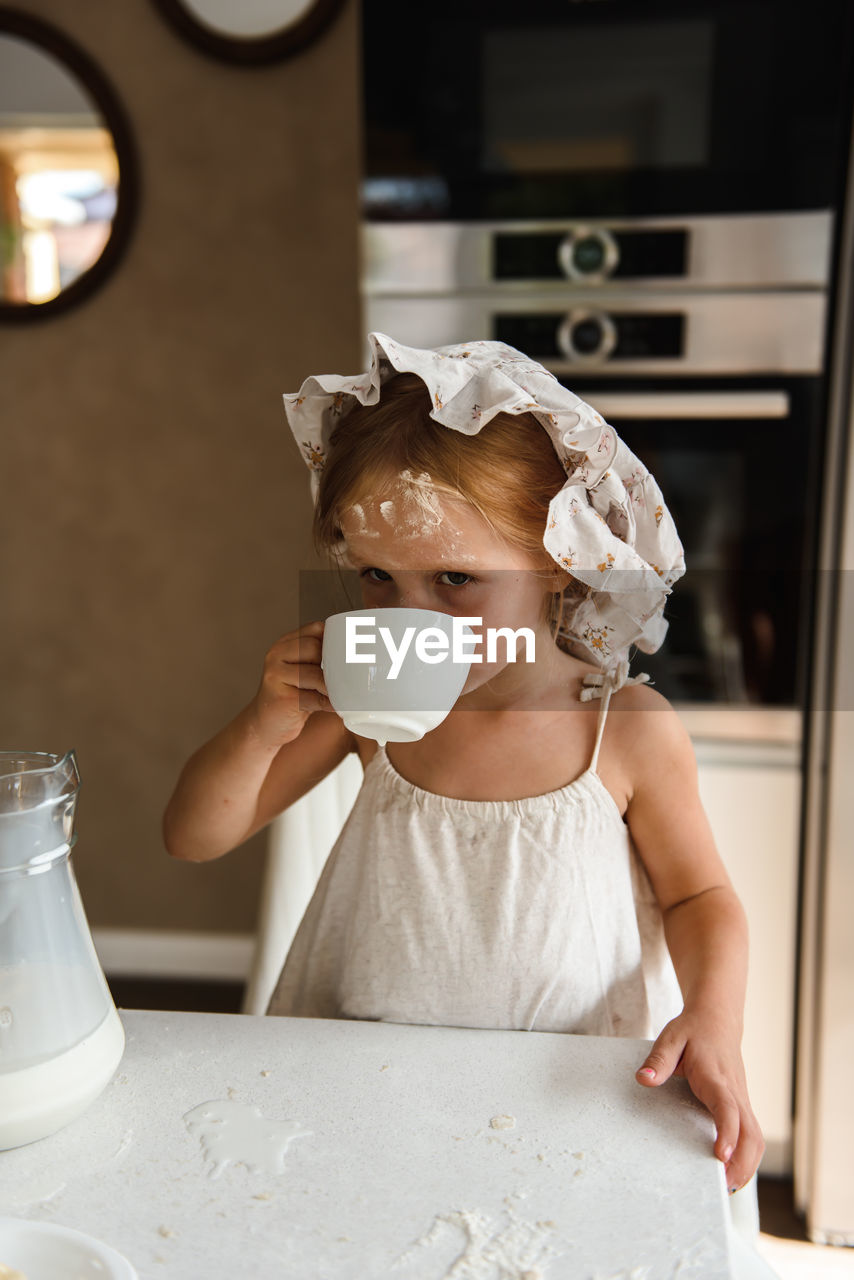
(508, 1250)
(234, 1132)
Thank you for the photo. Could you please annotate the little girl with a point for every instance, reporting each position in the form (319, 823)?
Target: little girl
(541, 860)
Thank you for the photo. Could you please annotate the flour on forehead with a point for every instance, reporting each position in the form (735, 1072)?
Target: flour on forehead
(410, 506)
(421, 493)
(413, 507)
(359, 512)
(359, 519)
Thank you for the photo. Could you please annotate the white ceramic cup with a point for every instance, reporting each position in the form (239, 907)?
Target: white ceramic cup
(392, 674)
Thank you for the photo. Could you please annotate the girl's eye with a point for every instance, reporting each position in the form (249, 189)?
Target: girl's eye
(447, 578)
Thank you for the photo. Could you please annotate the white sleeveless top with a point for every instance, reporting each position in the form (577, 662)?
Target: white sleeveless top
(532, 914)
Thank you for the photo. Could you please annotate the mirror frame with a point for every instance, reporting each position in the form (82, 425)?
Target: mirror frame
(94, 82)
(256, 50)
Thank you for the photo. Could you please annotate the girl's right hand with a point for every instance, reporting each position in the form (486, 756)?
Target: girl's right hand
(292, 687)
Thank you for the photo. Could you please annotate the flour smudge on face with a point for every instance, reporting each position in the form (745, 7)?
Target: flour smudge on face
(421, 500)
(359, 512)
(411, 506)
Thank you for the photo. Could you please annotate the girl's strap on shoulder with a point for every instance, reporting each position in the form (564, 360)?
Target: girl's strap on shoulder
(602, 685)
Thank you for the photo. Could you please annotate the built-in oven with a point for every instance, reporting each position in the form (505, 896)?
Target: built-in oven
(496, 110)
(737, 460)
(703, 342)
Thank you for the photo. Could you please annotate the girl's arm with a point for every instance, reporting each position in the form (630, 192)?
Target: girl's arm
(269, 756)
(704, 925)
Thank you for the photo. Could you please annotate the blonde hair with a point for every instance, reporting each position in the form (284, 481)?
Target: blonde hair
(508, 472)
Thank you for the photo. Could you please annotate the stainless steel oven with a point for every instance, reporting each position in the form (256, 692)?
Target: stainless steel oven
(702, 340)
(737, 459)
(496, 110)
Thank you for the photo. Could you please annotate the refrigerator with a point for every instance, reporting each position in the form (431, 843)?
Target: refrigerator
(824, 1096)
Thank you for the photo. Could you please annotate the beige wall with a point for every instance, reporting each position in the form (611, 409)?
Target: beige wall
(153, 509)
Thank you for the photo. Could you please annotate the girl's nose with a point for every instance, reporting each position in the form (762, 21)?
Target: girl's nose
(414, 595)
(412, 600)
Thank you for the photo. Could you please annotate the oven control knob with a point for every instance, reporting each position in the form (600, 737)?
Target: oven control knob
(587, 337)
(588, 253)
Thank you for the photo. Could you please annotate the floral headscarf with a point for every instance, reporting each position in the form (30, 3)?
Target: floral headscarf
(608, 526)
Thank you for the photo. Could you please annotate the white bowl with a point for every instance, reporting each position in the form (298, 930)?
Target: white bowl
(46, 1251)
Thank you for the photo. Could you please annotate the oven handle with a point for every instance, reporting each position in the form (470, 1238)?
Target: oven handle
(690, 404)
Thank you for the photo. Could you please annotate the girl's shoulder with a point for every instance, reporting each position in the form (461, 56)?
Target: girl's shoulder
(649, 732)
(641, 698)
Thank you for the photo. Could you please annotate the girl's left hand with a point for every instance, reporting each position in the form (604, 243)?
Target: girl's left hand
(706, 1053)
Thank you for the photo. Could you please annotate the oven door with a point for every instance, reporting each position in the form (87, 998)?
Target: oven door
(738, 462)
(499, 110)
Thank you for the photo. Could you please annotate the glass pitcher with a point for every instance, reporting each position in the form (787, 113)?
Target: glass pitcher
(61, 1038)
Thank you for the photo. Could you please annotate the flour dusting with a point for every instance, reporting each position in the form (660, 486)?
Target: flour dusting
(422, 494)
(356, 515)
(503, 1122)
(412, 509)
(507, 1249)
(123, 1146)
(359, 512)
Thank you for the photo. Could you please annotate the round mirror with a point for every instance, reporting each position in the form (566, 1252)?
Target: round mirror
(66, 171)
(254, 31)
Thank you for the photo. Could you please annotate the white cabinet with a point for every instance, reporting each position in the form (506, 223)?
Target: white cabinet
(752, 794)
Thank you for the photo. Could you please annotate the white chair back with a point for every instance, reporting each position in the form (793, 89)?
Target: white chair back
(300, 842)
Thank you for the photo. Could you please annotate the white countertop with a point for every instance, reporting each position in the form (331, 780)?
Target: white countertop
(422, 1153)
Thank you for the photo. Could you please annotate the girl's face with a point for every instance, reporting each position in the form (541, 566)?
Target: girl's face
(417, 547)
